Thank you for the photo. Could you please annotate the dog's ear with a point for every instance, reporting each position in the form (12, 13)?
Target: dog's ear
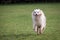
(41, 12)
(33, 13)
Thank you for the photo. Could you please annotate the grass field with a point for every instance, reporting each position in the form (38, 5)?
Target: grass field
(16, 22)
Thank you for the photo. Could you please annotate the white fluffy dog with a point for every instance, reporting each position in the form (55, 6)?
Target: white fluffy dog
(39, 21)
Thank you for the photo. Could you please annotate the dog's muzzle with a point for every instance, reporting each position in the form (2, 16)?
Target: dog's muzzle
(38, 15)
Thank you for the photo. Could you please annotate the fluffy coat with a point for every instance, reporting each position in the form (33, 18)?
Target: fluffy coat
(39, 21)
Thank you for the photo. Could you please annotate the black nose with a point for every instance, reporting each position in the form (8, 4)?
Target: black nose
(36, 14)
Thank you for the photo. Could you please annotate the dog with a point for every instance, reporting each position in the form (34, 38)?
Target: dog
(39, 21)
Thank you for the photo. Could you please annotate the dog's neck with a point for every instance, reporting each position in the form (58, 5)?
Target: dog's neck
(37, 18)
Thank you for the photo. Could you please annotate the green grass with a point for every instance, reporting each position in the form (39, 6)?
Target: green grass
(16, 22)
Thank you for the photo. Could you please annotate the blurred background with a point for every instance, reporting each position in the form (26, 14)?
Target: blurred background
(27, 1)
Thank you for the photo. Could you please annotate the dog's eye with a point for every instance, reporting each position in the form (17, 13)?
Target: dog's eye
(37, 12)
(34, 12)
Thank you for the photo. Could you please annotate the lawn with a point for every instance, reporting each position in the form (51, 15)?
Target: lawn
(16, 21)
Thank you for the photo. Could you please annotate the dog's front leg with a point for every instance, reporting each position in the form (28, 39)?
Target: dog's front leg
(41, 30)
(38, 29)
(35, 28)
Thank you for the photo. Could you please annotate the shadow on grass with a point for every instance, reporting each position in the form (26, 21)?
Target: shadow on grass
(22, 36)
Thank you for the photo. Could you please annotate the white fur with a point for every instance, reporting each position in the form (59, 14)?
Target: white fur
(41, 20)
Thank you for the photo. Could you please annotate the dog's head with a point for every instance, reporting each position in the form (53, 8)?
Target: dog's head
(37, 12)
